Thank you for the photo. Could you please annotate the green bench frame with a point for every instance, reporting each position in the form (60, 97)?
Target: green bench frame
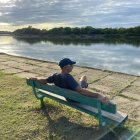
(106, 114)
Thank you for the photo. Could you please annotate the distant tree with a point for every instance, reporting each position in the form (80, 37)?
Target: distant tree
(67, 30)
(76, 31)
(27, 31)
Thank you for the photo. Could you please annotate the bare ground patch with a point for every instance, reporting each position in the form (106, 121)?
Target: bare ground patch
(132, 92)
(113, 84)
(131, 107)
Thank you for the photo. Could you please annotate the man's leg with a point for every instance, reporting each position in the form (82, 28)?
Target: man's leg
(83, 82)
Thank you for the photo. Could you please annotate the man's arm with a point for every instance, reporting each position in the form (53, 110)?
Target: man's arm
(49, 79)
(42, 81)
(85, 92)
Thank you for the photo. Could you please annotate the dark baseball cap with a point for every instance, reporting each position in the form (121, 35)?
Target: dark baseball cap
(66, 61)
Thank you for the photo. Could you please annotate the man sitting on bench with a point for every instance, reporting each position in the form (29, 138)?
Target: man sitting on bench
(66, 80)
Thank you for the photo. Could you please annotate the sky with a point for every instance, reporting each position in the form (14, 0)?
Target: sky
(46, 14)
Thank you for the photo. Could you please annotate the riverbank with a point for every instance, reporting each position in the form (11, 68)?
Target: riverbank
(123, 89)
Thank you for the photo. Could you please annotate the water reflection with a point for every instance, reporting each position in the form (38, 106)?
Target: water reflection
(6, 40)
(86, 42)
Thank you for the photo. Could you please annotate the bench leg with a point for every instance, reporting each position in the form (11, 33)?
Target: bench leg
(42, 103)
(101, 123)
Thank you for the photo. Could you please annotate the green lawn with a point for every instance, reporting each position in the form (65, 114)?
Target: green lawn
(22, 119)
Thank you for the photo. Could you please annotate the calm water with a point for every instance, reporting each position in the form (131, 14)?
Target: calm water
(116, 56)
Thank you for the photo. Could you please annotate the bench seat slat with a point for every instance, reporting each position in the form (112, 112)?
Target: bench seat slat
(111, 118)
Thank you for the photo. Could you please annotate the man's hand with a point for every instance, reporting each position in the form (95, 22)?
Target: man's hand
(42, 81)
(33, 78)
(104, 99)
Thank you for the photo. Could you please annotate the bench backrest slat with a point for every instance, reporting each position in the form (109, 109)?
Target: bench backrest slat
(72, 95)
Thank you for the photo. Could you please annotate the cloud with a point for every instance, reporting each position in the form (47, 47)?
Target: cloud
(99, 13)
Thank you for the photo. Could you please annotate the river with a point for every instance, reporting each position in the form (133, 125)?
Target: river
(115, 56)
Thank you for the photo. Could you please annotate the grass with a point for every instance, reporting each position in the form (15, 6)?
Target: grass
(22, 119)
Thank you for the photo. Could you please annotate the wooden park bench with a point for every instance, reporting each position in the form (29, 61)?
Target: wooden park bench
(107, 114)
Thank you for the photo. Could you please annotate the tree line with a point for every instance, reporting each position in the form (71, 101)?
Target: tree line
(78, 31)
